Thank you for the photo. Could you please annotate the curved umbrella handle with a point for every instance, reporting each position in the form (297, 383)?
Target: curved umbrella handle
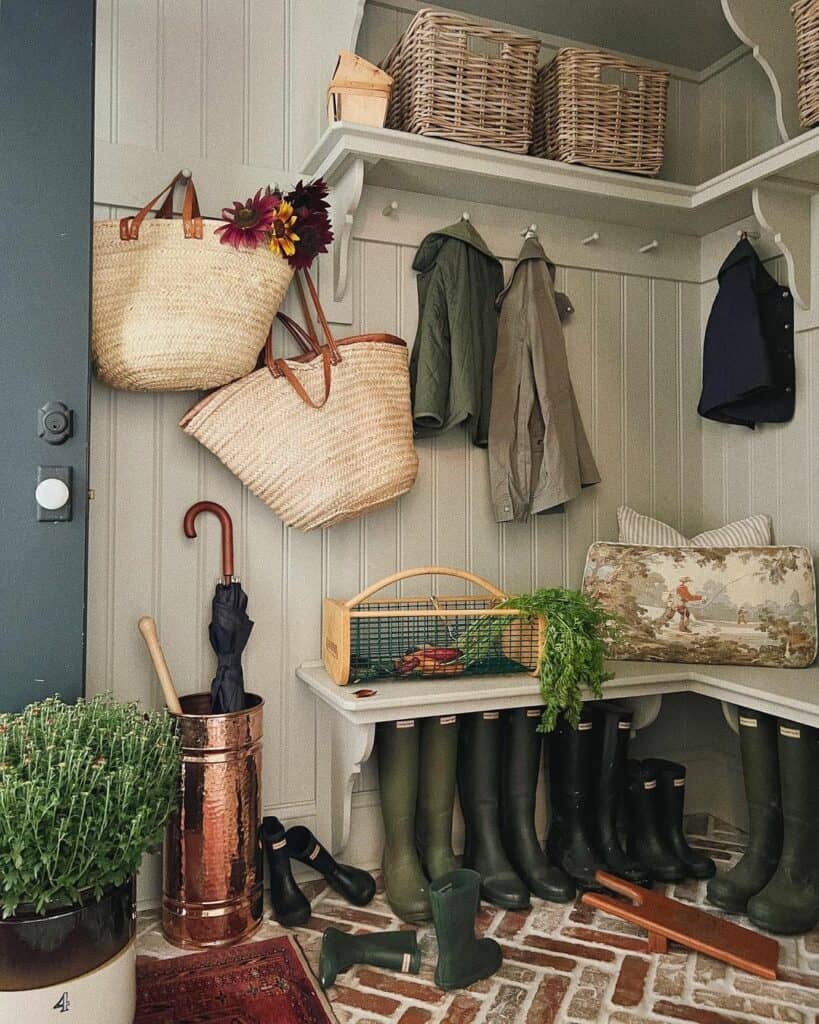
(223, 516)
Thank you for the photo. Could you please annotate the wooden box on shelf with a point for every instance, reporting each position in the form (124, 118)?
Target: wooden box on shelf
(615, 125)
(359, 92)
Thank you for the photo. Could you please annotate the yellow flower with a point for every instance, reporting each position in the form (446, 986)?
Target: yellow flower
(282, 235)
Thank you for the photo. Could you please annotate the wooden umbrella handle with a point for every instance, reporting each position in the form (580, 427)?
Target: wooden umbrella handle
(147, 628)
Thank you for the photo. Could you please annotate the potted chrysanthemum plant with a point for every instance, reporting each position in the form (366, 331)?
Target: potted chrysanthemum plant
(85, 791)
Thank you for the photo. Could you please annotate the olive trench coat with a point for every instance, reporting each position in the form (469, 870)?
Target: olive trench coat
(451, 362)
(539, 455)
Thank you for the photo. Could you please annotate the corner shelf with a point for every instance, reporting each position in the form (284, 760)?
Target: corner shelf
(776, 187)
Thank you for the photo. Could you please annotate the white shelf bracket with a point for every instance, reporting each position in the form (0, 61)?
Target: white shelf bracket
(345, 746)
(767, 27)
(345, 195)
(786, 213)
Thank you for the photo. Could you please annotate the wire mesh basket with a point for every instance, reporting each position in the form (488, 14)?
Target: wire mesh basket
(435, 637)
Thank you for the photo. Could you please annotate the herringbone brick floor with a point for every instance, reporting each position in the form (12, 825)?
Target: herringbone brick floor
(563, 964)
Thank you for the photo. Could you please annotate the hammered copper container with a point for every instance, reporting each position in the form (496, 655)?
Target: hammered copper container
(212, 865)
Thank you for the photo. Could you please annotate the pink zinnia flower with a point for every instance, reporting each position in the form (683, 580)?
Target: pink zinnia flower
(248, 224)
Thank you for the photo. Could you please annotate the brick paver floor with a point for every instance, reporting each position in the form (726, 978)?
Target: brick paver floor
(561, 964)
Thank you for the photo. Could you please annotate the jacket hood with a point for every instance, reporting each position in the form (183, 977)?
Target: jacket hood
(462, 231)
(533, 250)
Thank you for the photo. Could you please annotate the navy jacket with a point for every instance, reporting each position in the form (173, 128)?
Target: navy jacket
(747, 361)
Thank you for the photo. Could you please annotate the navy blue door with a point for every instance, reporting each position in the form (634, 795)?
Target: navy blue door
(46, 167)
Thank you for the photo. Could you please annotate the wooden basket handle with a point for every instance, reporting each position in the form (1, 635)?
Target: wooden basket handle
(426, 570)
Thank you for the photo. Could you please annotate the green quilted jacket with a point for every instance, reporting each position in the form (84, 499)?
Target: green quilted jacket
(451, 364)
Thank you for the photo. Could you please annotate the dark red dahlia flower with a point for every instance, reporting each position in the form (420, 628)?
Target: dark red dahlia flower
(248, 224)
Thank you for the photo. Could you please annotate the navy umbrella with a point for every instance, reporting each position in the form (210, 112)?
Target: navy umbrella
(230, 625)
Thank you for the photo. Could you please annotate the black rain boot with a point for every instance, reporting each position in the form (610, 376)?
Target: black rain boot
(397, 951)
(405, 884)
(436, 794)
(353, 884)
(732, 889)
(572, 764)
(646, 840)
(615, 729)
(479, 752)
(291, 907)
(463, 959)
(522, 747)
(671, 788)
(789, 903)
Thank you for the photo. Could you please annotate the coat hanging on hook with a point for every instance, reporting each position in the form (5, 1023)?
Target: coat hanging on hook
(748, 373)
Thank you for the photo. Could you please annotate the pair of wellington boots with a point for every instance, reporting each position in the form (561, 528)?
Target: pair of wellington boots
(655, 799)
(291, 908)
(589, 778)
(776, 881)
(499, 758)
(462, 957)
(416, 766)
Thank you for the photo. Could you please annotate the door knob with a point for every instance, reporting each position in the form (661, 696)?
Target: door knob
(52, 494)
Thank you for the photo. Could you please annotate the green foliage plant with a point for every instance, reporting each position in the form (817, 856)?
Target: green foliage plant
(85, 791)
(571, 658)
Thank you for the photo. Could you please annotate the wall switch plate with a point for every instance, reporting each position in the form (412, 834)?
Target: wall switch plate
(53, 488)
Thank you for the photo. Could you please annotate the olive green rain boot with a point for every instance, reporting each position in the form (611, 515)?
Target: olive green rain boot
(463, 959)
(436, 794)
(404, 881)
(522, 749)
(732, 889)
(397, 951)
(479, 756)
(789, 903)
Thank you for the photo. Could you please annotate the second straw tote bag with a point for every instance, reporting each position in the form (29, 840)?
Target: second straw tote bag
(321, 437)
(173, 308)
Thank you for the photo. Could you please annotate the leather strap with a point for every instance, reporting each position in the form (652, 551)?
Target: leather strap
(284, 370)
(302, 338)
(328, 334)
(191, 216)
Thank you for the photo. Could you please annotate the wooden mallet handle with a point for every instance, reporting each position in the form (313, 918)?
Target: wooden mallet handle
(147, 628)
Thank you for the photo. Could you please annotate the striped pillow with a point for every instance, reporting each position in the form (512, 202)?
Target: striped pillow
(753, 532)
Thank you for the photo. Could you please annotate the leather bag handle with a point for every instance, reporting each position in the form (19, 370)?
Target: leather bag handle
(303, 340)
(191, 216)
(426, 570)
(280, 368)
(311, 328)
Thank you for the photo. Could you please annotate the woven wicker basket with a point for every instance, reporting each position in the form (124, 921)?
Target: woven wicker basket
(806, 21)
(580, 119)
(173, 308)
(460, 80)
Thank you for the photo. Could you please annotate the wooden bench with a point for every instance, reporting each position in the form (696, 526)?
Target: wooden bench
(346, 724)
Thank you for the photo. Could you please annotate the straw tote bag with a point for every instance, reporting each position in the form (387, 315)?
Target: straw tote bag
(322, 437)
(173, 308)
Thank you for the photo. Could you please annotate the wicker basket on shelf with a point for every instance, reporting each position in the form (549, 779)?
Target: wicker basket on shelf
(434, 637)
(616, 125)
(806, 22)
(464, 81)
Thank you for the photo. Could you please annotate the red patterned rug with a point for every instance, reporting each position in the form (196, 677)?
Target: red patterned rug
(256, 983)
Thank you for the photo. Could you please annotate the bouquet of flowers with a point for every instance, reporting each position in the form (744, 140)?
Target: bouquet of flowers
(294, 225)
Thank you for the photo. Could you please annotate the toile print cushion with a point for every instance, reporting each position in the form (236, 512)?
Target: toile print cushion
(719, 606)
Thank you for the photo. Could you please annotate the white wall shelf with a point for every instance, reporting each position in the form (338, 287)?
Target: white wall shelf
(349, 156)
(346, 724)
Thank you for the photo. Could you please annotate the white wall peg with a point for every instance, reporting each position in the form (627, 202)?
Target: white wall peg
(589, 239)
(649, 246)
(186, 173)
(529, 232)
(390, 208)
(749, 234)
(465, 216)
